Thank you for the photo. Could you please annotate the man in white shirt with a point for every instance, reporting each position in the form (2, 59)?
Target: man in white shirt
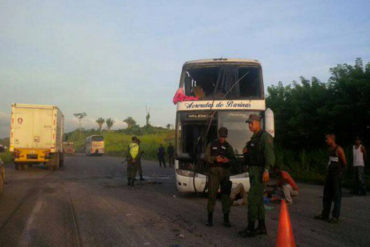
(359, 159)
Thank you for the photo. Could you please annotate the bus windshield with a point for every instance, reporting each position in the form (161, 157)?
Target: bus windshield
(238, 130)
(224, 82)
(192, 129)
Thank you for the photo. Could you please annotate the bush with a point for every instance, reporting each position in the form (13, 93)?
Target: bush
(6, 157)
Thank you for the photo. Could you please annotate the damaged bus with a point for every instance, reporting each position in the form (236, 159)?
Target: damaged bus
(223, 93)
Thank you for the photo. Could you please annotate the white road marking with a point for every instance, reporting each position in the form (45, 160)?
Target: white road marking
(26, 234)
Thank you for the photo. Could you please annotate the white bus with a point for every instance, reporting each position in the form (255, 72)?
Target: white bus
(228, 91)
(94, 145)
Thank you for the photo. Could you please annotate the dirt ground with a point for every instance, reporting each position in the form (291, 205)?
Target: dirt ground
(87, 203)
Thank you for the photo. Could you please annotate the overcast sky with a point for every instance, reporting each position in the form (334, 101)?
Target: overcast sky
(114, 58)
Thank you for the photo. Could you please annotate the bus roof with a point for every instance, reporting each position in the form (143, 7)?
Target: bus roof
(222, 61)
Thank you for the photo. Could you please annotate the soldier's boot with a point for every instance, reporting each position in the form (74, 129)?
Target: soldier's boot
(248, 232)
(210, 219)
(261, 229)
(132, 182)
(226, 220)
(129, 181)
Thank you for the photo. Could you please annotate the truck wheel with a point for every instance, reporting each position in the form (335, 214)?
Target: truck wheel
(1, 185)
(17, 166)
(2, 179)
(51, 163)
(57, 161)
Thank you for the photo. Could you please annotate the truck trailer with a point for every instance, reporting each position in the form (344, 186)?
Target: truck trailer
(36, 135)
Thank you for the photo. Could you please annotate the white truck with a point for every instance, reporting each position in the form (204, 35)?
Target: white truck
(36, 135)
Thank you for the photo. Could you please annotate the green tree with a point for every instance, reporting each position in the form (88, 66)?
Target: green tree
(306, 110)
(130, 122)
(147, 120)
(109, 122)
(100, 121)
(80, 116)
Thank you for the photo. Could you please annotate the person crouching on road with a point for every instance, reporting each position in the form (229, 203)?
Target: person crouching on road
(259, 156)
(333, 180)
(238, 195)
(133, 155)
(219, 156)
(287, 185)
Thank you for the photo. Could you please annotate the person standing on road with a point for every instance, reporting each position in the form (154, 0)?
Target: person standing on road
(219, 156)
(171, 155)
(161, 156)
(359, 159)
(333, 180)
(259, 156)
(139, 167)
(133, 156)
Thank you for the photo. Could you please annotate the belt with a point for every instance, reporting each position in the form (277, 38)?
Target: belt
(222, 165)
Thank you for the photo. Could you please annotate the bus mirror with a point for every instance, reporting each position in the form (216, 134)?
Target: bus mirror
(269, 122)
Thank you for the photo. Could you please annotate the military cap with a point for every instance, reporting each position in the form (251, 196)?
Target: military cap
(253, 117)
(222, 132)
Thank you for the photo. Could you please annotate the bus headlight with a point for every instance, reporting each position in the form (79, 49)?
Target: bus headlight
(185, 173)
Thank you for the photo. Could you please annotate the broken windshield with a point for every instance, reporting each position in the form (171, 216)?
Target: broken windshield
(224, 82)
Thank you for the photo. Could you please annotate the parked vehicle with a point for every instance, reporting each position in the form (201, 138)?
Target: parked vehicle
(226, 92)
(68, 148)
(36, 135)
(94, 145)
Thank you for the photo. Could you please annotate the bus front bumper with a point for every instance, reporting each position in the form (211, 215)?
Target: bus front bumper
(188, 183)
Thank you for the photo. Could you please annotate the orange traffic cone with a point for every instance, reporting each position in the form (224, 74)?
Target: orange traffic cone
(285, 236)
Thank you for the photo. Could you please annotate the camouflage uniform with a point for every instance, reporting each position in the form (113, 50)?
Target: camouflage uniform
(219, 175)
(259, 158)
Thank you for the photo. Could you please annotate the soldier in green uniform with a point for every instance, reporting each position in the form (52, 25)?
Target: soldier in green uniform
(133, 156)
(219, 156)
(259, 156)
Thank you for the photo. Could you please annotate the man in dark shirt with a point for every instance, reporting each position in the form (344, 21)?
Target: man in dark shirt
(161, 156)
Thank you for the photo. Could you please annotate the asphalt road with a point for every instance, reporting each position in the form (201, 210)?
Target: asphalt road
(87, 203)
